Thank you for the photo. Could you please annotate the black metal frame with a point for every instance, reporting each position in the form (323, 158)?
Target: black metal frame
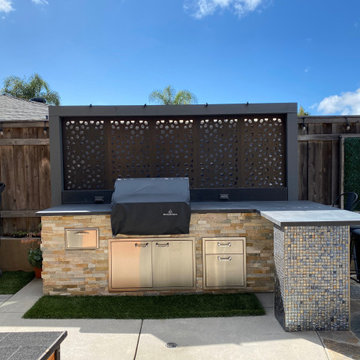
(289, 110)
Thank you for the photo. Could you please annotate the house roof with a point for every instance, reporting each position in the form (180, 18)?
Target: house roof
(13, 109)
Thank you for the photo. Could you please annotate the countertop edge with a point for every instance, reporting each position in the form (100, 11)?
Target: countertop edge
(54, 346)
(314, 223)
(199, 211)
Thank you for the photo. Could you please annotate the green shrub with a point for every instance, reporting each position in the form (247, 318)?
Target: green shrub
(35, 257)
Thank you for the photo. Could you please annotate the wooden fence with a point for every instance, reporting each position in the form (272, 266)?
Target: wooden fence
(25, 165)
(319, 155)
(25, 170)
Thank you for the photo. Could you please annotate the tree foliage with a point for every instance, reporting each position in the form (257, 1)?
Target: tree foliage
(302, 112)
(169, 96)
(30, 88)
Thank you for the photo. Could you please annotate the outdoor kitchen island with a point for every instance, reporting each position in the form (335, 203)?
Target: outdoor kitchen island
(298, 249)
(245, 230)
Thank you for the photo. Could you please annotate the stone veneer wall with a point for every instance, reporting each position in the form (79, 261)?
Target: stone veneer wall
(312, 277)
(85, 272)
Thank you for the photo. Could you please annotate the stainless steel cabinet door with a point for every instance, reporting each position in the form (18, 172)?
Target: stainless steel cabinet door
(130, 265)
(173, 263)
(224, 270)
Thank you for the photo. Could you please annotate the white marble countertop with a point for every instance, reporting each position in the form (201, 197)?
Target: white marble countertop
(312, 217)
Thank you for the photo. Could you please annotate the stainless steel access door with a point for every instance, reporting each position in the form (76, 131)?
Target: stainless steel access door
(173, 263)
(130, 265)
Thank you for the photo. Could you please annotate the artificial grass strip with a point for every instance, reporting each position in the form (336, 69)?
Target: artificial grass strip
(145, 307)
(12, 281)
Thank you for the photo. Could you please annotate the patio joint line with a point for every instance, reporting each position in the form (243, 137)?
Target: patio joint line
(323, 345)
(138, 340)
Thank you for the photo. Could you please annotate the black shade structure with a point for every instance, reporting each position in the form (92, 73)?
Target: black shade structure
(151, 206)
(235, 151)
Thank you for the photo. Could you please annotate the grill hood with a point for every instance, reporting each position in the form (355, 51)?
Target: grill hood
(151, 206)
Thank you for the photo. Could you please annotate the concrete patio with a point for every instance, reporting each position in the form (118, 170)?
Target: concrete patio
(207, 338)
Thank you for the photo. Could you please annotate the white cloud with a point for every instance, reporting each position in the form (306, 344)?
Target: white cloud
(6, 6)
(40, 2)
(345, 104)
(202, 8)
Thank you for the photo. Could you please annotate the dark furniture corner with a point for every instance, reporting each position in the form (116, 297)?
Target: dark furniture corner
(31, 345)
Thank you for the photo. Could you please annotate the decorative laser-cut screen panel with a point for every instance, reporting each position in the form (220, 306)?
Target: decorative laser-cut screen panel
(264, 152)
(84, 154)
(151, 148)
(219, 153)
(214, 152)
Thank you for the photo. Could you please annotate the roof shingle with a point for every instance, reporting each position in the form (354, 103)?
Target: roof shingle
(13, 109)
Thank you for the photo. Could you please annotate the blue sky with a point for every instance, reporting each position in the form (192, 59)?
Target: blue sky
(224, 51)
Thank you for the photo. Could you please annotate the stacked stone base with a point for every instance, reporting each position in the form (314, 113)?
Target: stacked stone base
(86, 272)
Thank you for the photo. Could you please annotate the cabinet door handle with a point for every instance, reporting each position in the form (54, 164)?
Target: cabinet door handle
(141, 245)
(228, 244)
(221, 258)
(81, 232)
(163, 245)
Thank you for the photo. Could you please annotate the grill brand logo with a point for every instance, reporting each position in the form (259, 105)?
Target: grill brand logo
(170, 213)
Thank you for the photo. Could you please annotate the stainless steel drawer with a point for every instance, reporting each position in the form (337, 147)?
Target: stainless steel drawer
(225, 245)
(224, 271)
(84, 238)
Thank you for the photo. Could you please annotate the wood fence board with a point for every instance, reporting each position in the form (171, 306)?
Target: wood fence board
(21, 182)
(6, 134)
(7, 177)
(24, 124)
(317, 172)
(27, 186)
(13, 225)
(319, 137)
(335, 166)
(327, 171)
(44, 177)
(24, 141)
(328, 119)
(303, 170)
(25, 170)
(312, 175)
(18, 213)
(32, 172)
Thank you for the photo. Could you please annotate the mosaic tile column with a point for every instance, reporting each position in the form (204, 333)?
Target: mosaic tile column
(312, 280)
